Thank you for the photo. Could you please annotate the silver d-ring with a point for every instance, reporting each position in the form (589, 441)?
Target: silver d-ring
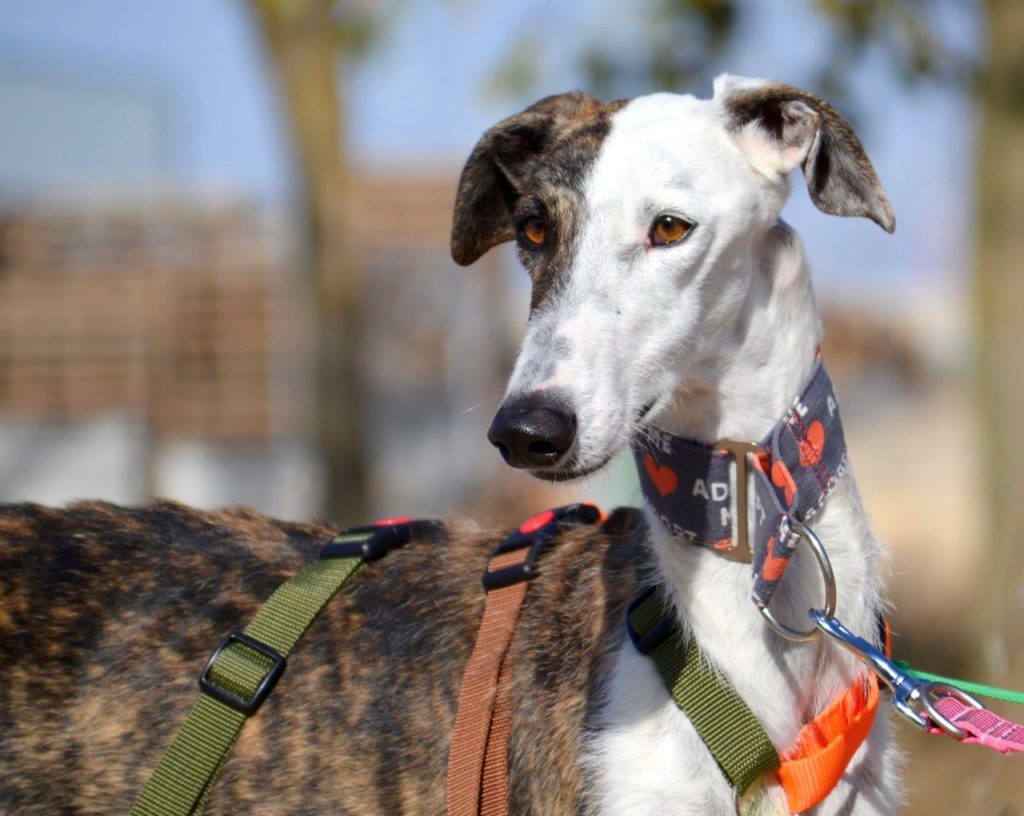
(808, 535)
(924, 694)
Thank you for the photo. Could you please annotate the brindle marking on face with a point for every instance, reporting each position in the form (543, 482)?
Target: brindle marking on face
(532, 164)
(107, 616)
(555, 189)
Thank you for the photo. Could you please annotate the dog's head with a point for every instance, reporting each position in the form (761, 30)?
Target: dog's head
(635, 220)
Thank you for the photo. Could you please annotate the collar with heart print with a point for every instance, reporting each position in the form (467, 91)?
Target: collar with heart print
(689, 486)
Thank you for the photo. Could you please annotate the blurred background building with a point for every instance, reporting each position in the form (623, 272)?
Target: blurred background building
(224, 269)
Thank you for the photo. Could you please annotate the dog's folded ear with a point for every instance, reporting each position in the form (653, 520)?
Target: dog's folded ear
(492, 178)
(781, 127)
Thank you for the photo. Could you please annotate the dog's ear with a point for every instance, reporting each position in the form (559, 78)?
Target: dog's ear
(492, 178)
(781, 127)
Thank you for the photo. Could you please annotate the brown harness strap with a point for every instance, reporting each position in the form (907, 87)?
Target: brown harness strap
(480, 735)
(494, 790)
(478, 758)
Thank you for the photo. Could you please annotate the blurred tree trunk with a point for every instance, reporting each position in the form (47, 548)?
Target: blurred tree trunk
(1000, 313)
(301, 37)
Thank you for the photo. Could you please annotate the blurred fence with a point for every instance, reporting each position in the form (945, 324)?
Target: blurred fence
(164, 310)
(159, 344)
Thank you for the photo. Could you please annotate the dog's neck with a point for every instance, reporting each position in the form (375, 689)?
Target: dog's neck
(752, 368)
(740, 391)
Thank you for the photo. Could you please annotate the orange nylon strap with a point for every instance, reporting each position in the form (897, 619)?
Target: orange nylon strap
(494, 788)
(827, 743)
(478, 757)
(482, 724)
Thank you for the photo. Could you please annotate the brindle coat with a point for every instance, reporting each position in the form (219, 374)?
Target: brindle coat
(107, 616)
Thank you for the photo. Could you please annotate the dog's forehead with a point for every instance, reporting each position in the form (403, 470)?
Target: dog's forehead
(647, 116)
(629, 142)
(659, 137)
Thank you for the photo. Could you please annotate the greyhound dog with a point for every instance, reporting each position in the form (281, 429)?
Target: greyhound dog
(668, 297)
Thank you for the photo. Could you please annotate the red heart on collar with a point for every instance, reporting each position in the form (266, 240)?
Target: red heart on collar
(812, 446)
(773, 566)
(781, 477)
(662, 476)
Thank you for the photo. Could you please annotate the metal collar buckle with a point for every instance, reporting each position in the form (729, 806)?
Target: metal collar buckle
(741, 549)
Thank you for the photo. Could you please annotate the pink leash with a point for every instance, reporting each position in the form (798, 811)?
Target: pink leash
(936, 704)
(981, 726)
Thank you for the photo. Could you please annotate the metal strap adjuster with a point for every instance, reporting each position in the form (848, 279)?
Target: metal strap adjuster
(535, 533)
(266, 685)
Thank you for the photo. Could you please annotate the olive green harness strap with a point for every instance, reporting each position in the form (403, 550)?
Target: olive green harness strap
(245, 667)
(729, 729)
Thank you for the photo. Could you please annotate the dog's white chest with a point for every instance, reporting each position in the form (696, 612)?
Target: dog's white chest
(645, 756)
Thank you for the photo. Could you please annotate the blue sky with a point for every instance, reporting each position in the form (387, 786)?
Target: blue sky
(421, 98)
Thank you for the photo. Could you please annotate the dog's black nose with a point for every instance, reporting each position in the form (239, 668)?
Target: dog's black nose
(534, 430)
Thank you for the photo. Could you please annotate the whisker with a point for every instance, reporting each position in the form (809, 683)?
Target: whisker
(480, 405)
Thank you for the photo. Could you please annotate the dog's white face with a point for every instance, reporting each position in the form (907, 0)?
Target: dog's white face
(630, 315)
(637, 221)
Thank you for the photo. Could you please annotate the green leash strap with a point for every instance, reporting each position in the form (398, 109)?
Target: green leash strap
(979, 689)
(245, 667)
(728, 727)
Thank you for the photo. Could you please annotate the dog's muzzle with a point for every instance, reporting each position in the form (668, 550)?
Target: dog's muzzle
(533, 431)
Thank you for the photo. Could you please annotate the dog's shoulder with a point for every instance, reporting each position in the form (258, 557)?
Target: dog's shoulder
(573, 622)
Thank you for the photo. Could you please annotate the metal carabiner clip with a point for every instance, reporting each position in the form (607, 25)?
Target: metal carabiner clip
(910, 697)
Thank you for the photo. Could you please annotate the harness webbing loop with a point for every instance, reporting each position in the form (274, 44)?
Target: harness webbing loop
(826, 745)
(733, 735)
(480, 733)
(730, 730)
(243, 669)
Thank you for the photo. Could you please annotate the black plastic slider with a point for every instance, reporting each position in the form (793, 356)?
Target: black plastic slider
(376, 540)
(647, 641)
(536, 533)
(266, 685)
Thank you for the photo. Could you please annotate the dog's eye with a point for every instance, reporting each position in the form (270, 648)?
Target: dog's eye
(667, 229)
(532, 231)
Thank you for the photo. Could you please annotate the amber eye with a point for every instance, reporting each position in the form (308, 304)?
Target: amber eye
(667, 229)
(533, 232)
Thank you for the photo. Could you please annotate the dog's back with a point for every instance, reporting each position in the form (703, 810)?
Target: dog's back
(107, 616)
